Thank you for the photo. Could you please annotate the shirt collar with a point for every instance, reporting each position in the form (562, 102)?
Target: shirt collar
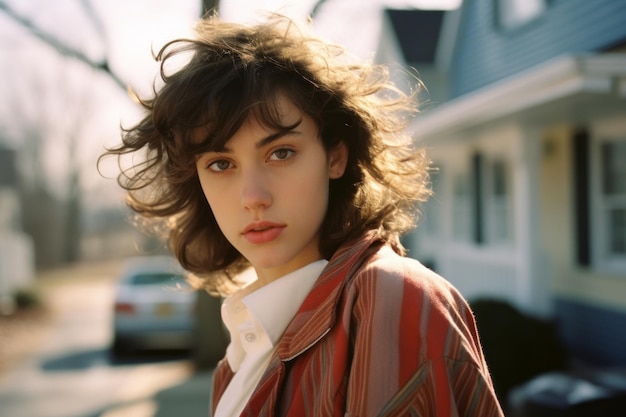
(271, 307)
(275, 304)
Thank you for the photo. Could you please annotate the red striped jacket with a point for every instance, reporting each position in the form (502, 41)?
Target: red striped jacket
(378, 335)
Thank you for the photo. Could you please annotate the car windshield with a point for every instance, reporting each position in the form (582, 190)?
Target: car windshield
(158, 279)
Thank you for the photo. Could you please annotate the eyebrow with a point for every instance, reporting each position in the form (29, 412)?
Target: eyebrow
(274, 137)
(267, 140)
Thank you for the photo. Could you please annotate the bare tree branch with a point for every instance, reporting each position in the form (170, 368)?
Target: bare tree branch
(60, 243)
(60, 47)
(209, 6)
(316, 8)
(95, 19)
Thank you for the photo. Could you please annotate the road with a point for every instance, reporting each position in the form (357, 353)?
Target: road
(71, 374)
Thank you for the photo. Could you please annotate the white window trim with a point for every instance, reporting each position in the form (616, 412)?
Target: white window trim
(601, 261)
(488, 204)
(461, 210)
(514, 14)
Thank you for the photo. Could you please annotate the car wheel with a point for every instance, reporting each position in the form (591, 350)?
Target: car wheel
(119, 347)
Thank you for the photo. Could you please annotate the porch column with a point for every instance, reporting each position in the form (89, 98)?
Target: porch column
(533, 286)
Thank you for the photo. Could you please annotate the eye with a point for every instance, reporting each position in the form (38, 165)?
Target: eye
(220, 165)
(281, 154)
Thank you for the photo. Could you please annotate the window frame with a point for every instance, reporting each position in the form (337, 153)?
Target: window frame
(462, 207)
(474, 211)
(602, 258)
(432, 208)
(493, 203)
(509, 14)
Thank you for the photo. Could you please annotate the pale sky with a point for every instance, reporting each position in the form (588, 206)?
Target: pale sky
(133, 29)
(355, 24)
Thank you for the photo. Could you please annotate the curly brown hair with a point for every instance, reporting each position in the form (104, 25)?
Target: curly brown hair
(235, 70)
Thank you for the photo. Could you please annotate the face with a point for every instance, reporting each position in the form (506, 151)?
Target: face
(269, 191)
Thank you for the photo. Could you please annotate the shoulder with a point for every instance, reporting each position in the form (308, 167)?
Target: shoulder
(390, 290)
(386, 270)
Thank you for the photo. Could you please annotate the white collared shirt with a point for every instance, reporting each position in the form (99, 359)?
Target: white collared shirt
(256, 317)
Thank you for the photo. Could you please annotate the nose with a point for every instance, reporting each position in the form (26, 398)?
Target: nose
(255, 193)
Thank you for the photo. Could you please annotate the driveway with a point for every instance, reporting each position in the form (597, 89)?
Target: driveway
(66, 370)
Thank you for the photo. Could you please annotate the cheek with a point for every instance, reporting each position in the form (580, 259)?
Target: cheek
(205, 190)
(223, 215)
(216, 203)
(311, 195)
(215, 200)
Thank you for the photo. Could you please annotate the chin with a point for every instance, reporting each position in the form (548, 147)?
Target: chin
(269, 264)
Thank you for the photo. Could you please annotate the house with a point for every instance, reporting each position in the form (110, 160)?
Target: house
(528, 135)
(16, 248)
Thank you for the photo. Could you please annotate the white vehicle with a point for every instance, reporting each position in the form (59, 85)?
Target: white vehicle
(154, 306)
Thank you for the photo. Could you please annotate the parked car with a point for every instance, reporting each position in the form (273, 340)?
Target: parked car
(154, 306)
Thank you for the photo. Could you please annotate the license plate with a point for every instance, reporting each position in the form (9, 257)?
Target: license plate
(164, 310)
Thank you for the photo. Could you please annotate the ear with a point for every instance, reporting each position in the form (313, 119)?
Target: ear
(337, 161)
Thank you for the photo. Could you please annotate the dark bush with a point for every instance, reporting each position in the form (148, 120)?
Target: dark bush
(27, 298)
(517, 346)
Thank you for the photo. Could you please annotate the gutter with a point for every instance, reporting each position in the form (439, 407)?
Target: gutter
(555, 79)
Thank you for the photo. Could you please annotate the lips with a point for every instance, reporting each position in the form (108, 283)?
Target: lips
(262, 232)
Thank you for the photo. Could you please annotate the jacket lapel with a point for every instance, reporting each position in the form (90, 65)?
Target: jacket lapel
(317, 314)
(312, 322)
(265, 396)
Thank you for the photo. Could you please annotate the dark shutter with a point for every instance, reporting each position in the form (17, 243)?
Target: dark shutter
(581, 196)
(8, 168)
(477, 196)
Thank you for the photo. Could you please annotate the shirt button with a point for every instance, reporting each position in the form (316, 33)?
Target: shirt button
(250, 337)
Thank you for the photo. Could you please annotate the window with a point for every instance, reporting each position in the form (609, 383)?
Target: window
(498, 203)
(613, 198)
(607, 196)
(462, 208)
(512, 14)
(432, 208)
(483, 202)
(158, 278)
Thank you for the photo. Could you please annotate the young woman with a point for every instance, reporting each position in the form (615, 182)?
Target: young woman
(270, 151)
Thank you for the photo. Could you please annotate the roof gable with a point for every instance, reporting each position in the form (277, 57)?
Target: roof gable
(418, 33)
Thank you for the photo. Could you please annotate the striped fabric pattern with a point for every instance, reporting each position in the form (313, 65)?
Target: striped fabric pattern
(378, 335)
